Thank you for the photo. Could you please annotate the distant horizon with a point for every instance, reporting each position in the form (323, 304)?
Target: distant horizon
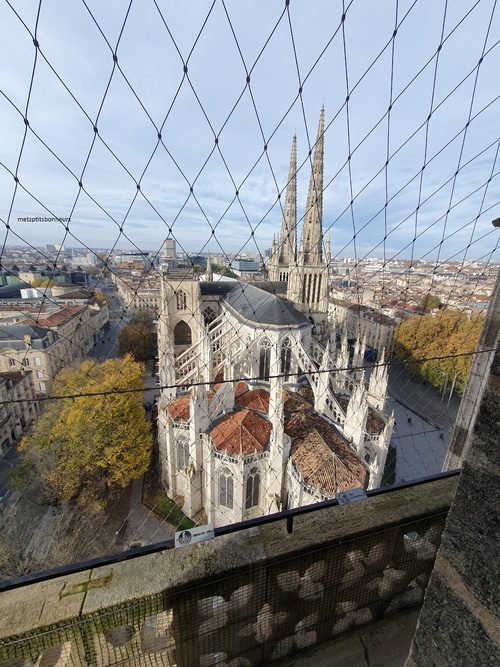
(214, 253)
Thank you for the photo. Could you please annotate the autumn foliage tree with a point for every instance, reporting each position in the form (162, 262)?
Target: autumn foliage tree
(42, 282)
(101, 298)
(440, 346)
(135, 339)
(90, 445)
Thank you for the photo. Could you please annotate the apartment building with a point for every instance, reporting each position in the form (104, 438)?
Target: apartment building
(16, 387)
(363, 323)
(49, 341)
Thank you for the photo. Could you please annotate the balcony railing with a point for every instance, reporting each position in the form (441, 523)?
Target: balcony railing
(261, 590)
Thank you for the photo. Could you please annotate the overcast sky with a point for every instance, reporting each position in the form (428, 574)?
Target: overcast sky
(219, 81)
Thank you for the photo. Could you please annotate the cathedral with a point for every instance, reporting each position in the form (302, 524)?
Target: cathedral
(261, 408)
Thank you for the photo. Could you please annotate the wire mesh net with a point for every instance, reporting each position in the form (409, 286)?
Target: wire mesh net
(252, 615)
(307, 297)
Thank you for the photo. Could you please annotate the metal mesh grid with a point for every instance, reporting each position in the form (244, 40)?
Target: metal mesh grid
(254, 615)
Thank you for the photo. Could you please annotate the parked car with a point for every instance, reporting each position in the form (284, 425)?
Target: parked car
(147, 406)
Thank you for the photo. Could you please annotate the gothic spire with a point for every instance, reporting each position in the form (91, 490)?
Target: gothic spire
(312, 234)
(288, 245)
(209, 276)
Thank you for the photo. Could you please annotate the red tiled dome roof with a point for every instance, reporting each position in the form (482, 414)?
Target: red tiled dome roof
(241, 432)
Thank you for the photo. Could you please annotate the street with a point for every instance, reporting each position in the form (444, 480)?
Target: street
(424, 424)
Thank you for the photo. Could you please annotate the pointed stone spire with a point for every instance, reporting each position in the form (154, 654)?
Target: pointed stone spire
(209, 276)
(379, 380)
(321, 390)
(288, 239)
(356, 415)
(328, 252)
(312, 235)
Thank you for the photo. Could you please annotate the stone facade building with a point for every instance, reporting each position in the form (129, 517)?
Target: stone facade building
(21, 409)
(363, 324)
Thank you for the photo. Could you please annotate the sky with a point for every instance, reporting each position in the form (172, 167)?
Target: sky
(411, 97)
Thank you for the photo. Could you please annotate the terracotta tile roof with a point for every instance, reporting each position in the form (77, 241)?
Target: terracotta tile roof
(307, 393)
(241, 432)
(241, 388)
(322, 456)
(55, 319)
(257, 399)
(179, 409)
(374, 422)
(294, 402)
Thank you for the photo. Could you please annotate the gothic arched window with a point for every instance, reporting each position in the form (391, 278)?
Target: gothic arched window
(265, 360)
(181, 297)
(226, 488)
(182, 333)
(286, 356)
(182, 452)
(252, 489)
(209, 315)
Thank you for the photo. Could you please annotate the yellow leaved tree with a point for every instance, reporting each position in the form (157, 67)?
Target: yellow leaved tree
(439, 348)
(86, 447)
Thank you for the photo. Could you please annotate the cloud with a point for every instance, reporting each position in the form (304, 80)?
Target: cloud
(224, 99)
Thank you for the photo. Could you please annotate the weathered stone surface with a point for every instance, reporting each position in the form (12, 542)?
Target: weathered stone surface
(449, 634)
(40, 604)
(460, 619)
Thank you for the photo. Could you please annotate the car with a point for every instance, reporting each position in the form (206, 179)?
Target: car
(147, 406)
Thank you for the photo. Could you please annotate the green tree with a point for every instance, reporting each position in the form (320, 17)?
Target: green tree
(91, 446)
(430, 301)
(224, 271)
(439, 346)
(144, 318)
(135, 339)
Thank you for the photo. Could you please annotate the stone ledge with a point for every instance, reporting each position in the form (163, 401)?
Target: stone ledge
(45, 603)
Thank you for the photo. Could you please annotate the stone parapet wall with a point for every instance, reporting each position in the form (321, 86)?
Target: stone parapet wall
(460, 620)
(247, 598)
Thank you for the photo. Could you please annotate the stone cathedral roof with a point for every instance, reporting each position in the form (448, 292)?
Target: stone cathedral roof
(257, 399)
(242, 432)
(322, 456)
(255, 305)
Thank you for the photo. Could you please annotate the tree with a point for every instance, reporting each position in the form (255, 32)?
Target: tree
(135, 339)
(143, 317)
(102, 298)
(223, 270)
(430, 301)
(102, 262)
(42, 282)
(436, 347)
(91, 446)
